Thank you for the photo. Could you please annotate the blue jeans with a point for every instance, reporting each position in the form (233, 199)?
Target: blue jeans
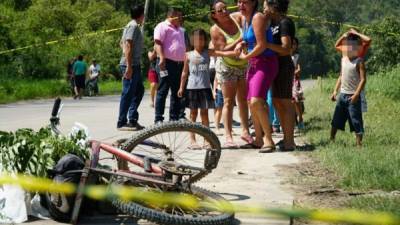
(347, 111)
(172, 81)
(131, 96)
(273, 117)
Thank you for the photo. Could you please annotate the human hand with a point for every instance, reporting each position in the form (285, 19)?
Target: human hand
(243, 56)
(239, 47)
(354, 98)
(333, 96)
(128, 73)
(180, 93)
(352, 31)
(161, 64)
(214, 93)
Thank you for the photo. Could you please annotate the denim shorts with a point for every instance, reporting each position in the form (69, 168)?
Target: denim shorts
(347, 111)
(219, 99)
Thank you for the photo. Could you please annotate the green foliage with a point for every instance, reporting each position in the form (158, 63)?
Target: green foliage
(317, 39)
(30, 89)
(30, 152)
(32, 22)
(385, 47)
(11, 91)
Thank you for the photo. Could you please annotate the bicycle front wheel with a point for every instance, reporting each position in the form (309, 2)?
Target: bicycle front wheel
(170, 214)
(191, 145)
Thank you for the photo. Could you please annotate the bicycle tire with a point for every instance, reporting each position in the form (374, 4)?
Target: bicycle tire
(140, 211)
(210, 162)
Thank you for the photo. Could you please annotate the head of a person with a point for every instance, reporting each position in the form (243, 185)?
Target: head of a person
(175, 15)
(219, 11)
(80, 57)
(199, 39)
(137, 13)
(247, 7)
(352, 44)
(276, 7)
(94, 62)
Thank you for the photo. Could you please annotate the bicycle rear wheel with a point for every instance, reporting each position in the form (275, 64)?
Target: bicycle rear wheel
(169, 214)
(171, 141)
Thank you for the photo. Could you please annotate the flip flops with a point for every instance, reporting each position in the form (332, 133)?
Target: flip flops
(230, 145)
(250, 146)
(267, 149)
(248, 139)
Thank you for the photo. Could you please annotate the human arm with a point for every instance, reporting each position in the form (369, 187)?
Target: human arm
(297, 71)
(159, 35)
(338, 44)
(215, 86)
(259, 26)
(286, 28)
(361, 85)
(337, 86)
(128, 47)
(219, 42)
(216, 53)
(365, 42)
(184, 77)
(151, 55)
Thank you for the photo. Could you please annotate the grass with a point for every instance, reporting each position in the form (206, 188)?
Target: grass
(377, 165)
(12, 90)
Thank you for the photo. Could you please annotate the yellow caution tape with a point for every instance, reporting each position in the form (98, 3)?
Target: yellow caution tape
(129, 193)
(310, 19)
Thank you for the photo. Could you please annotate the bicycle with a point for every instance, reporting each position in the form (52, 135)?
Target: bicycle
(157, 159)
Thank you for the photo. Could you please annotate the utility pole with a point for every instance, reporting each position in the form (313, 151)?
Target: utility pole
(146, 10)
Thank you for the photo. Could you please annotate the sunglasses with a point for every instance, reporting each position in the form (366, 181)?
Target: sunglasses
(221, 10)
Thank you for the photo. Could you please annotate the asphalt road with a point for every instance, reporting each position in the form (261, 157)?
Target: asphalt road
(243, 176)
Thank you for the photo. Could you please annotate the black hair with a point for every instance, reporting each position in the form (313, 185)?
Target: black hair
(354, 37)
(199, 32)
(296, 40)
(282, 6)
(137, 11)
(212, 8)
(80, 57)
(256, 6)
(173, 9)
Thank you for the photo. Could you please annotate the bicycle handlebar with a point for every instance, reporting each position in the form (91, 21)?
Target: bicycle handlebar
(54, 120)
(56, 107)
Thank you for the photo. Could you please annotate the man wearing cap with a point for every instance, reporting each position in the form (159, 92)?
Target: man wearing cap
(170, 46)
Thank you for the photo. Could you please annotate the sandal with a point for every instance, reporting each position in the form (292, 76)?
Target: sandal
(284, 149)
(267, 149)
(230, 145)
(248, 139)
(250, 146)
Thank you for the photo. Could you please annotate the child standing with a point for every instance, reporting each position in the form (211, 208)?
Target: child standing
(152, 75)
(351, 82)
(297, 91)
(219, 104)
(196, 79)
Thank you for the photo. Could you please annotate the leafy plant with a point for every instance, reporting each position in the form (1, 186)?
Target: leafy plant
(30, 152)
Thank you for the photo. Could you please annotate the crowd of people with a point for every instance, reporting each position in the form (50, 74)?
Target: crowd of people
(251, 61)
(82, 77)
